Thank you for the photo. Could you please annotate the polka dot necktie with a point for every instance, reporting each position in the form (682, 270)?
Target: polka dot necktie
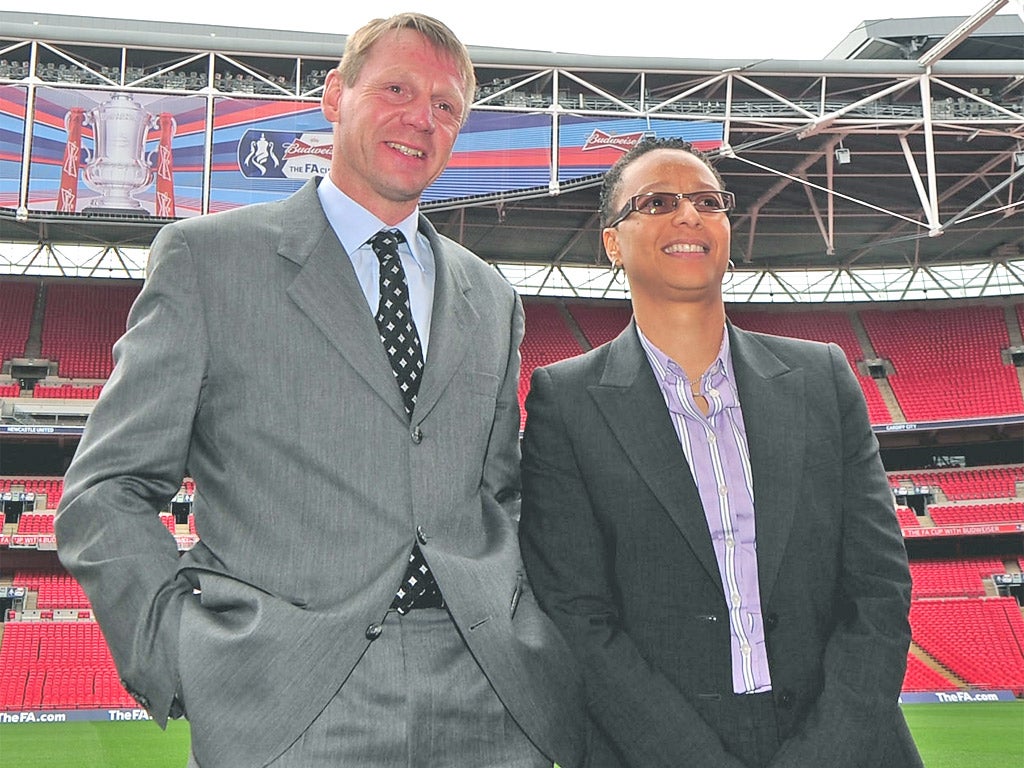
(394, 318)
(402, 344)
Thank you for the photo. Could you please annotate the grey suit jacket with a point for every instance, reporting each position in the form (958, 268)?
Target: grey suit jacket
(618, 550)
(251, 361)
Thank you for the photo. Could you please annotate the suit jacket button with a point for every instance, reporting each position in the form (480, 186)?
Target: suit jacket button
(417, 435)
(771, 621)
(421, 535)
(373, 631)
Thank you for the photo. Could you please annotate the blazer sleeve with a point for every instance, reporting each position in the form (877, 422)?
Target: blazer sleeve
(501, 464)
(637, 708)
(865, 657)
(131, 460)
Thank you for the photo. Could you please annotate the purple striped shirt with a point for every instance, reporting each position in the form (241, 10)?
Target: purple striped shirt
(715, 447)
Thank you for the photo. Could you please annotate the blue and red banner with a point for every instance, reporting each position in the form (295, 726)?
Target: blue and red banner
(143, 153)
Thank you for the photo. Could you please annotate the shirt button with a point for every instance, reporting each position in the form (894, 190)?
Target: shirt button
(373, 631)
(735, 598)
(417, 435)
(723, 490)
(712, 439)
(745, 649)
(421, 535)
(730, 542)
(712, 391)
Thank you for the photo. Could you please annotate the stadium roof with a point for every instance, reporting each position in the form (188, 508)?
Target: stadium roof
(929, 204)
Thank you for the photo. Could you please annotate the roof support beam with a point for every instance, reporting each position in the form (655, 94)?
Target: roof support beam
(824, 122)
(579, 233)
(961, 33)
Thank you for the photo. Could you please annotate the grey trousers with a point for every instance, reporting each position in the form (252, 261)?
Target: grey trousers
(417, 699)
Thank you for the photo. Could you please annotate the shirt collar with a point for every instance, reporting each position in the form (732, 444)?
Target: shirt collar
(354, 225)
(718, 375)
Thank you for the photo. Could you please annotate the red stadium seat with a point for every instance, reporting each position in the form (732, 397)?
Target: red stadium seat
(17, 300)
(548, 339)
(58, 665)
(824, 326)
(81, 324)
(980, 640)
(948, 361)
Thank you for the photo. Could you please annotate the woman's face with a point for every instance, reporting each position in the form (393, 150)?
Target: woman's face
(677, 256)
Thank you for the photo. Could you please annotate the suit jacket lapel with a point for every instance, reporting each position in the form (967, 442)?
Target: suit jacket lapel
(327, 290)
(772, 398)
(627, 396)
(452, 323)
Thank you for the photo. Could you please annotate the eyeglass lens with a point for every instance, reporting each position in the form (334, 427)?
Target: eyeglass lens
(655, 203)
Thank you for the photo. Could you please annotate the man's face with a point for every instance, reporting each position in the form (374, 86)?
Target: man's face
(395, 126)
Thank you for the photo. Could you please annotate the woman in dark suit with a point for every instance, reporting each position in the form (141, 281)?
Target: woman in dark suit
(705, 515)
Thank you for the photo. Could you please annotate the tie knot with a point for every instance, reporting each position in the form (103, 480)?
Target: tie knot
(385, 243)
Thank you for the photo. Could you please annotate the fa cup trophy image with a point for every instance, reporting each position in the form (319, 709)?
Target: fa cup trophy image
(118, 166)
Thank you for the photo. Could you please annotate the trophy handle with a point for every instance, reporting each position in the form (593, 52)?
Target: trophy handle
(153, 124)
(150, 158)
(88, 121)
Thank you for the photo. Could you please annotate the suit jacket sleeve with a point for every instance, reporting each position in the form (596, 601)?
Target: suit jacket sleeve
(642, 713)
(865, 656)
(130, 462)
(501, 464)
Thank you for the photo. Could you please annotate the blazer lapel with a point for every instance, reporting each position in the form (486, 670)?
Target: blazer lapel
(627, 396)
(772, 397)
(327, 291)
(452, 323)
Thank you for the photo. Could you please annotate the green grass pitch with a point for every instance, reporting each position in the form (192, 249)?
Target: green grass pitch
(94, 745)
(989, 735)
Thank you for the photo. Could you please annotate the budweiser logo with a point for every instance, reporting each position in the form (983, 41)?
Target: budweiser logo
(623, 142)
(299, 148)
(284, 154)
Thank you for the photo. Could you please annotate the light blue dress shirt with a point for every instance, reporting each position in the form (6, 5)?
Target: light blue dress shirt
(354, 225)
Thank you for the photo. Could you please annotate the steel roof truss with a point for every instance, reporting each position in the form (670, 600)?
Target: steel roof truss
(600, 92)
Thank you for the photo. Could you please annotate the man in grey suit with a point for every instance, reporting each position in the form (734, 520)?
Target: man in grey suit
(705, 515)
(357, 596)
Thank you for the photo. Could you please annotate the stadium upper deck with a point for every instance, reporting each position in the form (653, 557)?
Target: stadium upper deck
(931, 122)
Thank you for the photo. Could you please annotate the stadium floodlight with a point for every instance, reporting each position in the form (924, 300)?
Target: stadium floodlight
(842, 155)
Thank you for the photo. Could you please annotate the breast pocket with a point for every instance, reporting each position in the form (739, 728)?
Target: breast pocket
(480, 383)
(477, 394)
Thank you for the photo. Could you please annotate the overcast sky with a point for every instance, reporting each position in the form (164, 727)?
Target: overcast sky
(783, 29)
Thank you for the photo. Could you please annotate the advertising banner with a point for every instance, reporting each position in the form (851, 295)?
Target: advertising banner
(265, 150)
(119, 152)
(109, 152)
(962, 530)
(496, 153)
(588, 146)
(73, 715)
(955, 697)
(12, 138)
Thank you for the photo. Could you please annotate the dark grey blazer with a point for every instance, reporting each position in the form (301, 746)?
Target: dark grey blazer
(252, 362)
(617, 548)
